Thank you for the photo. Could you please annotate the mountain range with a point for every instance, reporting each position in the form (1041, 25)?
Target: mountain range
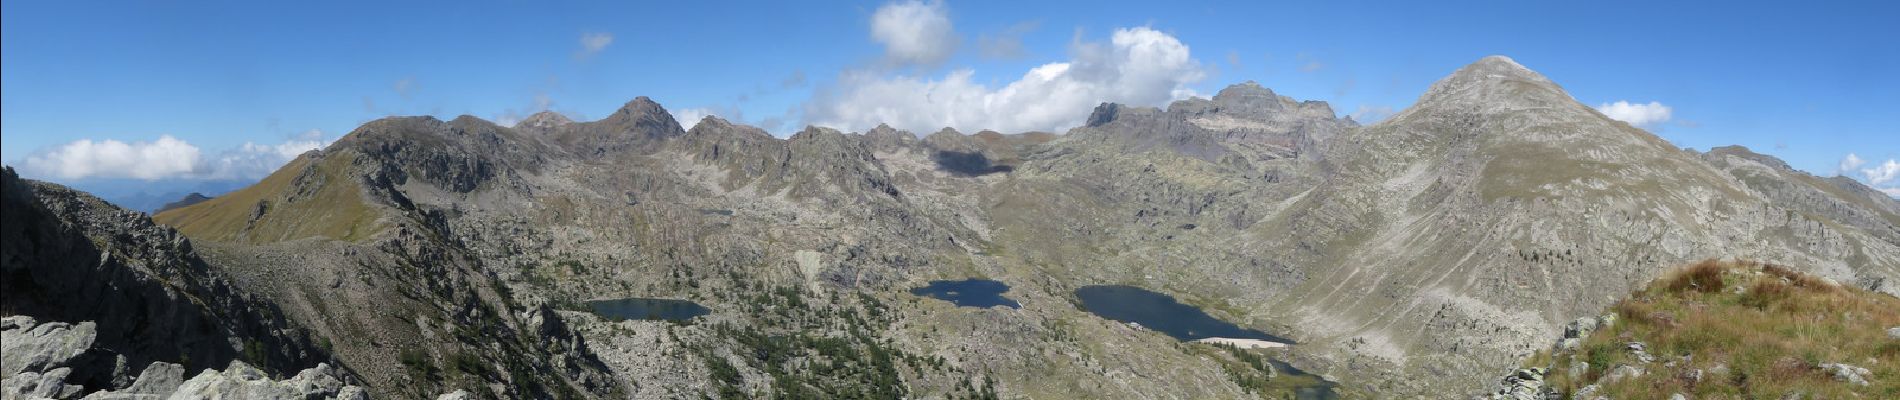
(1423, 255)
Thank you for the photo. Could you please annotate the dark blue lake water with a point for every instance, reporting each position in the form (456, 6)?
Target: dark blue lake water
(647, 309)
(979, 293)
(1160, 312)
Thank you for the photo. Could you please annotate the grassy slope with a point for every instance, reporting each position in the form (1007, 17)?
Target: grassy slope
(331, 206)
(1771, 327)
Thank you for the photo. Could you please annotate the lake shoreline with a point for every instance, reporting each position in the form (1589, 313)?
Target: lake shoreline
(1244, 343)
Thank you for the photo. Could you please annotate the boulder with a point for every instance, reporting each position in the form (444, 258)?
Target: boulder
(1847, 373)
(242, 381)
(1640, 351)
(1524, 384)
(29, 347)
(35, 385)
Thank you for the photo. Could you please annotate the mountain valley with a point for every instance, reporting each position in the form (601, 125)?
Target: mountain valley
(1421, 256)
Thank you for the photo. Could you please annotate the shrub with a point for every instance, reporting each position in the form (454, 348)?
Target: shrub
(1702, 277)
(1765, 293)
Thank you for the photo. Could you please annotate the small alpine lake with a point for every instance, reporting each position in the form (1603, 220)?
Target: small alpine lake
(1162, 313)
(640, 308)
(979, 293)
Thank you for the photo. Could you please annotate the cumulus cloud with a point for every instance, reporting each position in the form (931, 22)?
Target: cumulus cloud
(1643, 115)
(1883, 173)
(1139, 66)
(109, 158)
(255, 161)
(166, 158)
(914, 32)
(1849, 163)
(1883, 176)
(593, 43)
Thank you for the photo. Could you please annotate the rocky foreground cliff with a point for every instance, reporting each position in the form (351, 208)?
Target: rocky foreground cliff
(1422, 255)
(102, 303)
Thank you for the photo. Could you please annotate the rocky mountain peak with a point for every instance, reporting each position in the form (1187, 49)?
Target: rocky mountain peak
(640, 105)
(1107, 113)
(881, 129)
(544, 120)
(951, 139)
(815, 132)
(646, 117)
(1250, 96)
(885, 138)
(1497, 80)
(718, 127)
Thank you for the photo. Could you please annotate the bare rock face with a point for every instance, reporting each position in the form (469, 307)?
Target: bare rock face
(1418, 256)
(42, 359)
(122, 291)
(32, 347)
(241, 381)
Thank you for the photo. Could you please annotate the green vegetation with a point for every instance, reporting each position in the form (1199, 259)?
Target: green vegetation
(420, 366)
(828, 348)
(1739, 330)
(1253, 370)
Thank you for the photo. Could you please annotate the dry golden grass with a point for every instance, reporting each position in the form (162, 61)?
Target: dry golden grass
(310, 197)
(1771, 337)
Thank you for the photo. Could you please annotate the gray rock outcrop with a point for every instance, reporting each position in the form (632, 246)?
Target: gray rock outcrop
(42, 360)
(1847, 373)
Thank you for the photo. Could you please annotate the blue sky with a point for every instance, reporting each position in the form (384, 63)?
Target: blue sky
(236, 87)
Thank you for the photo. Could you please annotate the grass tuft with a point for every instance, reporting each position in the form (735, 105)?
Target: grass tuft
(1766, 339)
(1703, 277)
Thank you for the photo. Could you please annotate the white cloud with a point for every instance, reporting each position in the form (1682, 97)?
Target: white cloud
(166, 158)
(593, 43)
(255, 160)
(1849, 163)
(914, 32)
(1883, 176)
(1883, 173)
(689, 117)
(1138, 66)
(1643, 115)
(109, 158)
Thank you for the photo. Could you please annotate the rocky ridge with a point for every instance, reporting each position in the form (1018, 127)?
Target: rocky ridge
(123, 292)
(1448, 240)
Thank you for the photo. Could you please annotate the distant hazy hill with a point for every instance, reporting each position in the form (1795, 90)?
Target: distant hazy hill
(150, 196)
(193, 198)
